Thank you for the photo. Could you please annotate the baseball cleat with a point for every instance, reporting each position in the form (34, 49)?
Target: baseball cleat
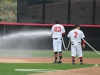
(73, 63)
(81, 63)
(55, 62)
(60, 62)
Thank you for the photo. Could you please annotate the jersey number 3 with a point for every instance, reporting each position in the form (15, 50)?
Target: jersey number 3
(57, 29)
(75, 34)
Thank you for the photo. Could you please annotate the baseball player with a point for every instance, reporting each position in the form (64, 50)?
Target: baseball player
(57, 31)
(77, 43)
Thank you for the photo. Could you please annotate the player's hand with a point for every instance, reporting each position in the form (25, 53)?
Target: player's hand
(83, 45)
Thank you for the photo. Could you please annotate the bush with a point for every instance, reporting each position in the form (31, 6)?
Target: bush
(7, 6)
(1, 18)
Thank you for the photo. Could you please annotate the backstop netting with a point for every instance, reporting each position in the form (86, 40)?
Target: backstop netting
(68, 11)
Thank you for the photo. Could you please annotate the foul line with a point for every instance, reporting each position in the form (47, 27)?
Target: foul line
(37, 70)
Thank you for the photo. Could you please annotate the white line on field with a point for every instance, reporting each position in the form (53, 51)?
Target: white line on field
(37, 70)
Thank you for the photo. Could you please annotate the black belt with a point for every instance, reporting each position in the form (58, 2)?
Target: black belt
(56, 38)
(77, 42)
(73, 44)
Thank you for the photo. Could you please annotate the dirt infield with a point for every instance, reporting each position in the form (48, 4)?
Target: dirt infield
(46, 60)
(81, 71)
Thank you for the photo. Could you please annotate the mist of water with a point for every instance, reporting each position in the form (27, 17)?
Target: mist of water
(27, 39)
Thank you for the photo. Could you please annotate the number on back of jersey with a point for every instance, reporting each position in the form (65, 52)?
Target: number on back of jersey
(75, 34)
(57, 29)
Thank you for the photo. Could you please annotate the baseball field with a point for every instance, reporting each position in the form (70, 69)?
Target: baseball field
(40, 62)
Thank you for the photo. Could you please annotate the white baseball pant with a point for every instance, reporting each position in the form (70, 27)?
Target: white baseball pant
(57, 45)
(76, 49)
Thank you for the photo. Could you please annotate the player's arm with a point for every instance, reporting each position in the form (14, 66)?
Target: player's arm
(63, 31)
(52, 31)
(83, 43)
(68, 36)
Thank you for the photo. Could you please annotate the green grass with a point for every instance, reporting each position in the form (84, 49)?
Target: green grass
(91, 54)
(86, 54)
(43, 53)
(9, 68)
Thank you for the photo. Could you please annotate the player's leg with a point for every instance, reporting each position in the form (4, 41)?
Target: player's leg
(60, 50)
(55, 50)
(81, 60)
(60, 57)
(73, 53)
(55, 55)
(79, 53)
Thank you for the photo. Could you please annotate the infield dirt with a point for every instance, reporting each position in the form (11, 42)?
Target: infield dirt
(81, 71)
(46, 60)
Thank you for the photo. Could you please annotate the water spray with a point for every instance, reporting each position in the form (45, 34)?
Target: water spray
(23, 39)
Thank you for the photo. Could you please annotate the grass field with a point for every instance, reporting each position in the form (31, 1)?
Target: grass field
(43, 53)
(15, 68)
(30, 68)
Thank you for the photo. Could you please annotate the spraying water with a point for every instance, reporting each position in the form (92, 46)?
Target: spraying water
(29, 39)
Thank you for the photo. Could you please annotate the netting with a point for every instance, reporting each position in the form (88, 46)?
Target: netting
(68, 11)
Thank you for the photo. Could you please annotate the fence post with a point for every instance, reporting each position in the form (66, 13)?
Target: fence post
(69, 5)
(94, 8)
(43, 13)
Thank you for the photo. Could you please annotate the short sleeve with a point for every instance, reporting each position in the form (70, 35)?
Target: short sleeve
(68, 35)
(52, 30)
(63, 29)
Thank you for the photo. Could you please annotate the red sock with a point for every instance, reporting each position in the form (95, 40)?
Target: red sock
(81, 59)
(56, 55)
(60, 56)
(73, 58)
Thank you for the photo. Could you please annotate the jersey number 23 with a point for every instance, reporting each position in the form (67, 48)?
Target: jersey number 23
(57, 29)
